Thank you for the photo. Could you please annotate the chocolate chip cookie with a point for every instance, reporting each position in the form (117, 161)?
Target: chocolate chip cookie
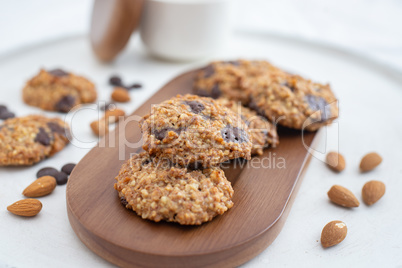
(232, 79)
(263, 132)
(157, 190)
(30, 139)
(57, 90)
(192, 130)
(294, 102)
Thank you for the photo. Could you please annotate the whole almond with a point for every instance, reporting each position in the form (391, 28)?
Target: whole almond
(100, 128)
(343, 197)
(335, 161)
(370, 161)
(112, 116)
(333, 233)
(372, 192)
(25, 207)
(120, 95)
(40, 187)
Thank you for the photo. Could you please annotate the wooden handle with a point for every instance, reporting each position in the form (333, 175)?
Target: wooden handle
(112, 23)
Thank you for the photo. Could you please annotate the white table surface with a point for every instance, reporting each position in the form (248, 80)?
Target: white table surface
(374, 232)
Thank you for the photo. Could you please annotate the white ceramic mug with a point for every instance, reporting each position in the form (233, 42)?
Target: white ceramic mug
(185, 30)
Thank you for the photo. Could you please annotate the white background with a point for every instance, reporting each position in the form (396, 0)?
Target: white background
(371, 28)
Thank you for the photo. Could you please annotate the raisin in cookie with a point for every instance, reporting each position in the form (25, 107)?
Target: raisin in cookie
(195, 130)
(294, 102)
(57, 90)
(232, 79)
(30, 139)
(263, 132)
(157, 190)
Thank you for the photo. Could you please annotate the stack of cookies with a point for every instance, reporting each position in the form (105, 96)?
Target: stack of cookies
(186, 138)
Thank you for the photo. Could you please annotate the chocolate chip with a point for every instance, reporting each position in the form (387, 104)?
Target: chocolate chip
(47, 171)
(215, 92)
(234, 134)
(56, 128)
(6, 115)
(318, 103)
(208, 71)
(123, 201)
(58, 72)
(3, 109)
(135, 86)
(197, 165)
(195, 106)
(161, 134)
(42, 137)
(61, 178)
(115, 80)
(68, 168)
(65, 104)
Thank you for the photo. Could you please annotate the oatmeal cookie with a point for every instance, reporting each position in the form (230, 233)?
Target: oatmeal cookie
(157, 190)
(294, 102)
(193, 130)
(30, 139)
(263, 132)
(57, 90)
(232, 79)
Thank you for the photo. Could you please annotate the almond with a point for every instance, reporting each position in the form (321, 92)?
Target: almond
(26, 207)
(343, 197)
(100, 128)
(370, 161)
(40, 187)
(112, 116)
(333, 233)
(372, 192)
(120, 95)
(335, 161)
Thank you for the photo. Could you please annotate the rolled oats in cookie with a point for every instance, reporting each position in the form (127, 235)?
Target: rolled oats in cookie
(58, 90)
(30, 139)
(193, 130)
(159, 191)
(231, 79)
(294, 102)
(263, 132)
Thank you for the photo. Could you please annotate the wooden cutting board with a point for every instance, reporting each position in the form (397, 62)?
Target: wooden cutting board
(263, 197)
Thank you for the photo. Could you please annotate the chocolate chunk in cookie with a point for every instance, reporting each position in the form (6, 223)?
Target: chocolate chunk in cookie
(160, 134)
(65, 104)
(263, 132)
(318, 103)
(234, 134)
(42, 137)
(196, 107)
